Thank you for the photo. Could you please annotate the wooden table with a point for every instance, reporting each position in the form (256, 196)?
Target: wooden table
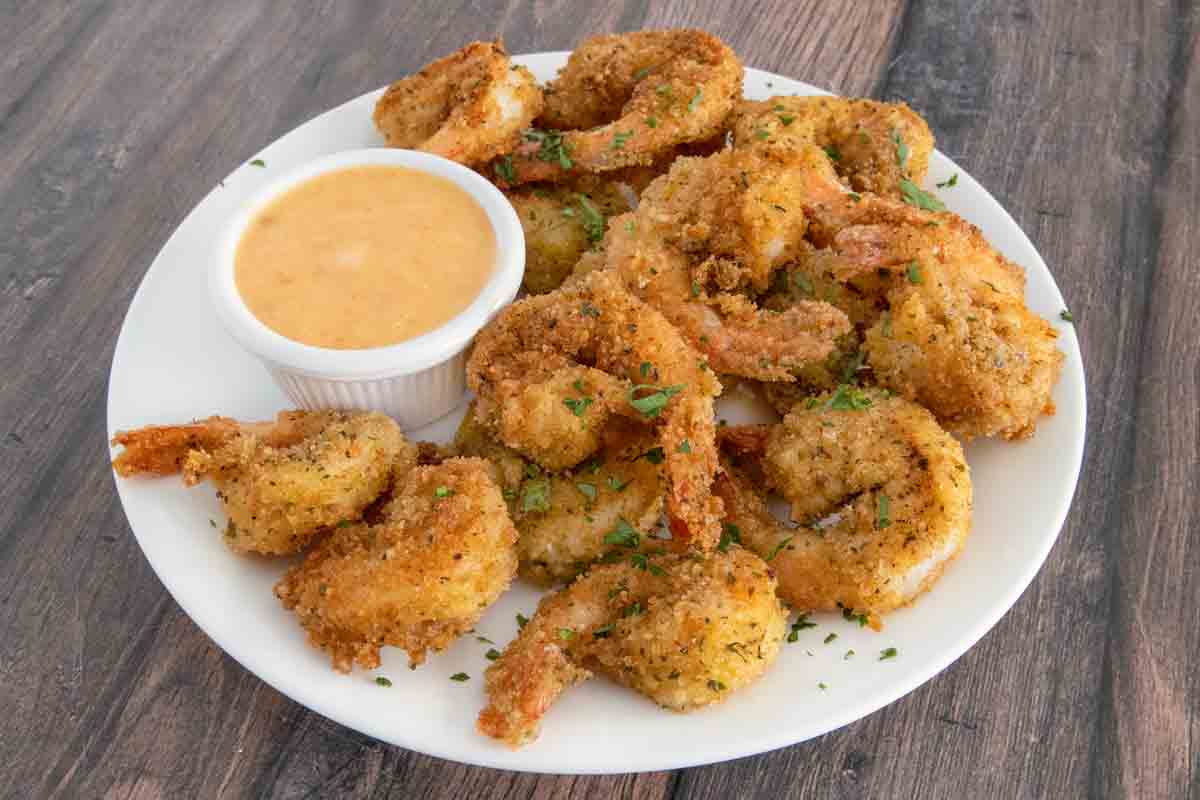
(1083, 118)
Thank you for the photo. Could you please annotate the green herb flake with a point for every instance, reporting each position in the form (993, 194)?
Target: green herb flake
(504, 169)
(566, 634)
(848, 398)
(258, 162)
(594, 220)
(652, 404)
(664, 90)
(641, 73)
(492, 654)
(830, 638)
(623, 535)
(484, 639)
(522, 621)
(761, 135)
(603, 631)
(852, 367)
(914, 273)
(948, 184)
(577, 405)
(589, 310)
(804, 284)
(849, 615)
(833, 153)
(884, 655)
(786, 541)
(645, 368)
(535, 495)
(901, 150)
(632, 610)
(849, 655)
(382, 681)
(461, 677)
(620, 138)
(822, 686)
(716, 685)
(443, 491)
(685, 446)
(691, 106)
(616, 484)
(883, 504)
(730, 534)
(786, 119)
(1066, 316)
(915, 196)
(587, 490)
(654, 455)
(551, 147)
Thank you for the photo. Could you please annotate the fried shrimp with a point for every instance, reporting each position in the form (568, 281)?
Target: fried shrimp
(550, 370)
(874, 146)
(708, 229)
(627, 99)
(469, 106)
(957, 336)
(443, 552)
(283, 482)
(881, 493)
(567, 520)
(685, 631)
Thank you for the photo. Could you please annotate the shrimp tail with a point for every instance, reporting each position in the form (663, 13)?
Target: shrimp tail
(521, 686)
(162, 449)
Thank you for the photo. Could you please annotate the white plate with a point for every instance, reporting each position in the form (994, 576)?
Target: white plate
(173, 363)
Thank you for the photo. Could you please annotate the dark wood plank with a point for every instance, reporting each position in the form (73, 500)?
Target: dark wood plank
(116, 118)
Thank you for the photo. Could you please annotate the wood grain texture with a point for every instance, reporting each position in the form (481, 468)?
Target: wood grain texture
(1082, 118)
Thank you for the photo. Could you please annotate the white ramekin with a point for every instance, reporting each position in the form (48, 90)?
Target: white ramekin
(416, 381)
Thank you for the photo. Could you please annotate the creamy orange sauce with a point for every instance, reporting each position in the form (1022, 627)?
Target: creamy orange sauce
(365, 257)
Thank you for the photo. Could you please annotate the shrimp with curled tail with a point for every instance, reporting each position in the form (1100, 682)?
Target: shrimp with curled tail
(685, 631)
(443, 551)
(469, 106)
(281, 483)
(707, 231)
(550, 371)
(874, 146)
(881, 493)
(626, 99)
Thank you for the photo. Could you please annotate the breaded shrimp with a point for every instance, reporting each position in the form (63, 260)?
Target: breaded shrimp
(881, 493)
(627, 99)
(567, 520)
(874, 146)
(469, 106)
(705, 231)
(443, 552)
(281, 483)
(683, 630)
(550, 370)
(956, 336)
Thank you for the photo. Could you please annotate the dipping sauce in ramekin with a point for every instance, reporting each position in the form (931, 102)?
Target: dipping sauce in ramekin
(365, 257)
(360, 278)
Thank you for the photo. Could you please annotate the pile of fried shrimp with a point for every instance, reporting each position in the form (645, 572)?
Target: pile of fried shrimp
(680, 239)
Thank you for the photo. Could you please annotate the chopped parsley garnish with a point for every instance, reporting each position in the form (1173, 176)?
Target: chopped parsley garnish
(685, 446)
(853, 366)
(848, 398)
(587, 490)
(484, 639)
(258, 162)
(786, 119)
(883, 504)
(849, 655)
(632, 610)
(551, 147)
(460, 677)
(641, 73)
(716, 685)
(651, 122)
(589, 310)
(382, 681)
(831, 637)
(535, 495)
(577, 405)
(504, 169)
(822, 686)
(804, 284)
(695, 99)
(645, 368)
(594, 220)
(850, 616)
(566, 634)
(602, 632)
(620, 138)
(833, 153)
(695, 289)
(652, 404)
(616, 484)
(953, 181)
(443, 491)
(664, 90)
(654, 455)
(492, 654)
(914, 195)
(914, 272)
(1066, 316)
(786, 541)
(884, 655)
(623, 535)
(730, 534)
(761, 135)
(901, 150)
